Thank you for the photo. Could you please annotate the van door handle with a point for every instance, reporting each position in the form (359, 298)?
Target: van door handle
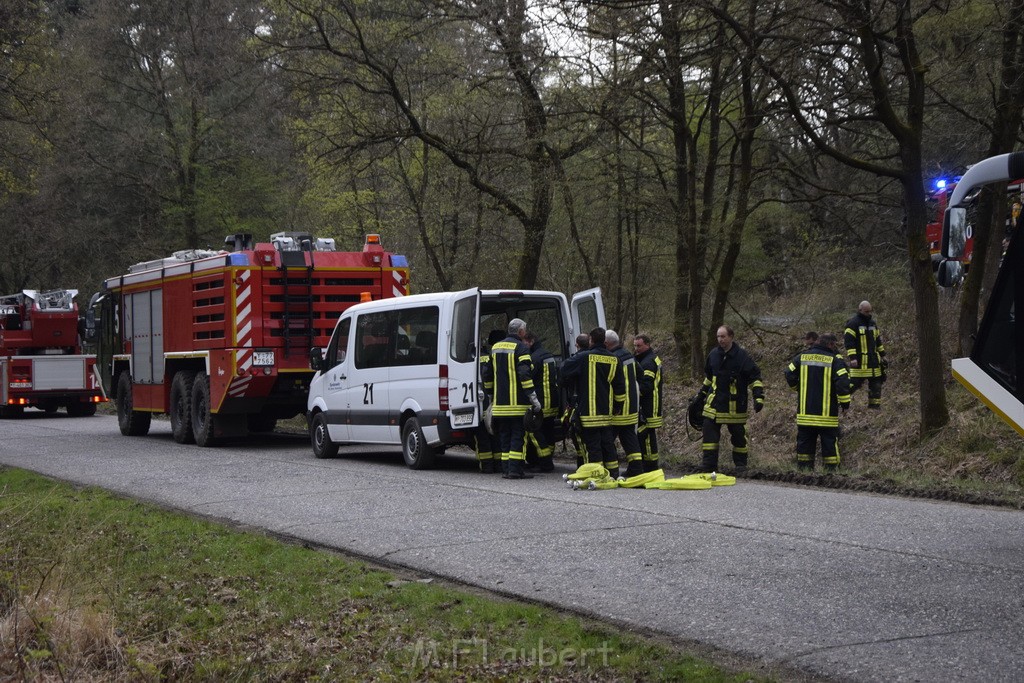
(342, 377)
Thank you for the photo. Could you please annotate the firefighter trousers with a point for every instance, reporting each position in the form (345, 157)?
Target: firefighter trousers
(540, 445)
(485, 448)
(874, 389)
(648, 447)
(600, 443)
(807, 444)
(510, 434)
(712, 434)
(627, 436)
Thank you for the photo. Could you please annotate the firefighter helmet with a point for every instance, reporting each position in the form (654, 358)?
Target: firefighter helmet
(695, 411)
(533, 420)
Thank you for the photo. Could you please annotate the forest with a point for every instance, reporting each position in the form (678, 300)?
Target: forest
(681, 155)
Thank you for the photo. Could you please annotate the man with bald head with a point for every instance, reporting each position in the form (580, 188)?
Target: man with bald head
(866, 354)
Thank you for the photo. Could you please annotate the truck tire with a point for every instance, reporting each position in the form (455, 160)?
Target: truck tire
(417, 454)
(131, 422)
(181, 406)
(202, 418)
(323, 447)
(81, 409)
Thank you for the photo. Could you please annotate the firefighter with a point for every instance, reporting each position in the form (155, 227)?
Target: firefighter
(650, 419)
(627, 414)
(866, 354)
(599, 386)
(810, 339)
(728, 374)
(514, 394)
(570, 418)
(540, 445)
(822, 383)
(485, 441)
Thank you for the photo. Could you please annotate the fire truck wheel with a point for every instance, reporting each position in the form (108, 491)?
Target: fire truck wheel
(323, 447)
(418, 455)
(202, 418)
(131, 422)
(181, 406)
(51, 407)
(80, 409)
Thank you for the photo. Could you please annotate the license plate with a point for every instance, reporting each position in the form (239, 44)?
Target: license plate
(262, 358)
(462, 419)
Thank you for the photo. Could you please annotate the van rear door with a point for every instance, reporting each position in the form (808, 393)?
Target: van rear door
(587, 310)
(463, 361)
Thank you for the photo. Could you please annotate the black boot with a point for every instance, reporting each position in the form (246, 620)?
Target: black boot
(545, 464)
(709, 463)
(487, 466)
(516, 471)
(633, 468)
(651, 465)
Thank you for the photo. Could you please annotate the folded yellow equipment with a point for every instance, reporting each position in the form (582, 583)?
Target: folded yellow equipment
(594, 477)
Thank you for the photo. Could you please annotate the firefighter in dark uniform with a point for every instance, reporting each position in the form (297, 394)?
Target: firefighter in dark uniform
(822, 383)
(649, 380)
(513, 395)
(541, 443)
(485, 441)
(866, 354)
(599, 386)
(570, 418)
(729, 373)
(627, 414)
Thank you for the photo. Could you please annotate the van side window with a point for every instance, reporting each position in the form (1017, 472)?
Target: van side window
(373, 340)
(339, 345)
(419, 326)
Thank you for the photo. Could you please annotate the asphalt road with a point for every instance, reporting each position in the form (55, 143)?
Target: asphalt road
(830, 584)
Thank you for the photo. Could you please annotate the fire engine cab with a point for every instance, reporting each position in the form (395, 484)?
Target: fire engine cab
(220, 340)
(41, 359)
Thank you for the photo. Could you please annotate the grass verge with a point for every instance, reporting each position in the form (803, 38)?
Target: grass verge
(95, 587)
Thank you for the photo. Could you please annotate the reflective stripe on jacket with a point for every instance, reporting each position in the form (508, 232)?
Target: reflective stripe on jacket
(863, 342)
(822, 382)
(727, 377)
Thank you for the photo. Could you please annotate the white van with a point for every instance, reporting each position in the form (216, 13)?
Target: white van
(406, 371)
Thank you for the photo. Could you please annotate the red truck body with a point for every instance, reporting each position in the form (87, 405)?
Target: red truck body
(41, 360)
(220, 341)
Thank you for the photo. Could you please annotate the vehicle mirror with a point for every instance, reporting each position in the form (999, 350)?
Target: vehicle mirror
(954, 232)
(316, 359)
(950, 273)
(90, 326)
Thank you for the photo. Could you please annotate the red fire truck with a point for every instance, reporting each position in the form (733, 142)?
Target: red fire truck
(938, 200)
(220, 341)
(41, 359)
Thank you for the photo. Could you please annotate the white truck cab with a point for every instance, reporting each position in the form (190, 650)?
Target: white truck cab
(406, 370)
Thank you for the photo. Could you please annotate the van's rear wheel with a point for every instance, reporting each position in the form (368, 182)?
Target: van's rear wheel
(418, 455)
(323, 447)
